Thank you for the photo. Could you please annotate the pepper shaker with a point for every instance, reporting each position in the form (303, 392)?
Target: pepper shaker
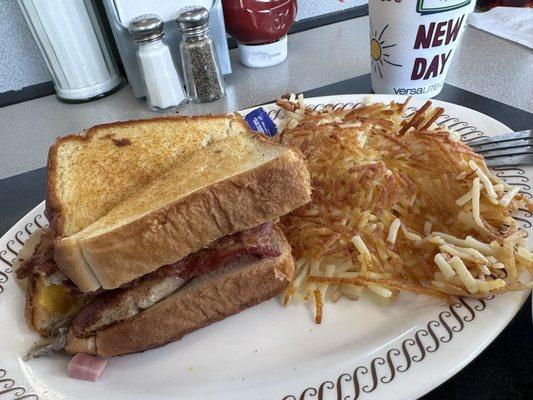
(163, 84)
(203, 78)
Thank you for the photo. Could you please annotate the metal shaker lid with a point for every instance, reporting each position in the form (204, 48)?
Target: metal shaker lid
(146, 28)
(193, 20)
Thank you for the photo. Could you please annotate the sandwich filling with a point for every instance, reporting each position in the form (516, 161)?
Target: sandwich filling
(42, 261)
(112, 306)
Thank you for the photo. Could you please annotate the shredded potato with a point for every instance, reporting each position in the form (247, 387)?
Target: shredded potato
(444, 267)
(398, 204)
(393, 230)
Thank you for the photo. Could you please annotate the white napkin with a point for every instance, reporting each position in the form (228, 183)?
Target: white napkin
(511, 23)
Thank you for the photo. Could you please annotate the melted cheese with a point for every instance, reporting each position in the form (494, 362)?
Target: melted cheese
(55, 299)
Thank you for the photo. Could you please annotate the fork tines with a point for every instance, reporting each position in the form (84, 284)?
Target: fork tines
(511, 148)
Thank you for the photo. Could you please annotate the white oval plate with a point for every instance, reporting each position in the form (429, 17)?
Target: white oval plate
(360, 351)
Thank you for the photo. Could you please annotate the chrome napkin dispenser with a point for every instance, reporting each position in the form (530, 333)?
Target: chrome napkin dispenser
(121, 12)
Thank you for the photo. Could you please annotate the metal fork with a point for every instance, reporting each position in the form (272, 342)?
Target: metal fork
(515, 148)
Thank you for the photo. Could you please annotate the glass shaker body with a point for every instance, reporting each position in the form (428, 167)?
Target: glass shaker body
(73, 44)
(203, 78)
(164, 90)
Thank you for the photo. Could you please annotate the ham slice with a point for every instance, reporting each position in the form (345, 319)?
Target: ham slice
(86, 367)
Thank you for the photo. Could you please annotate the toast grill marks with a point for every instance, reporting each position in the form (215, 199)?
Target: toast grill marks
(119, 304)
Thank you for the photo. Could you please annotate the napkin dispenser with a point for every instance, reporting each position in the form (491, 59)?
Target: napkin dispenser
(121, 12)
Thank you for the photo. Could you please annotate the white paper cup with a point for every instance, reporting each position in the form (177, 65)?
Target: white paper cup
(412, 43)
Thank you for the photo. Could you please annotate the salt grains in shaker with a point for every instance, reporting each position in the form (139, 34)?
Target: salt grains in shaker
(163, 85)
(203, 78)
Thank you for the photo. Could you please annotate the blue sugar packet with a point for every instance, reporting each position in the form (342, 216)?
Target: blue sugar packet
(259, 121)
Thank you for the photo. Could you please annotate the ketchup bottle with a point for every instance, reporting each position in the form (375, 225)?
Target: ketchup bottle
(260, 28)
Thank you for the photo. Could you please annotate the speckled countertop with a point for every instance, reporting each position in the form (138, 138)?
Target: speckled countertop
(484, 64)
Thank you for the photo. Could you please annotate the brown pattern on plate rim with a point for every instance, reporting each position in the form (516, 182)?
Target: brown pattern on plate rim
(398, 359)
(10, 252)
(9, 387)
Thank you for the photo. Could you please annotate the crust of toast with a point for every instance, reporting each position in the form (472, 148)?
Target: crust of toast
(30, 308)
(55, 208)
(76, 345)
(170, 233)
(202, 302)
(68, 252)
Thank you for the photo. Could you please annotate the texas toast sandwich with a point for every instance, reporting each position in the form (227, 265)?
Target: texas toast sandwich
(158, 228)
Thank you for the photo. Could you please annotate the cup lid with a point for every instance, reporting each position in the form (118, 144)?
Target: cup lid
(146, 28)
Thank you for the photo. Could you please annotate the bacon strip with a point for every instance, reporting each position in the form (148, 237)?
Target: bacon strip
(42, 260)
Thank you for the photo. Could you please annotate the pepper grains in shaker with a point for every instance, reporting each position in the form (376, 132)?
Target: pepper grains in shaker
(203, 78)
(164, 90)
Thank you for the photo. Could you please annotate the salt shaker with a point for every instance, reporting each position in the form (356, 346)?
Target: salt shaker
(203, 78)
(163, 84)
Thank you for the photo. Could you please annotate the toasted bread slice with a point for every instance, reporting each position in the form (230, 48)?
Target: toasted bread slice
(205, 300)
(231, 185)
(89, 174)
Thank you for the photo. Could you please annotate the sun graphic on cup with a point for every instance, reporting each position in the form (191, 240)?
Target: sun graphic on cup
(375, 50)
(377, 47)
